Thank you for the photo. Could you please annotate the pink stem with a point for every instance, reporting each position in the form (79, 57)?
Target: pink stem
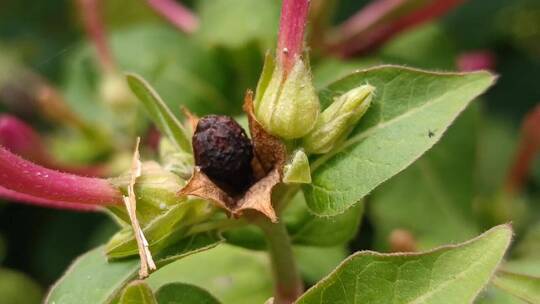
(21, 139)
(38, 201)
(153, 136)
(25, 177)
(368, 17)
(528, 148)
(371, 31)
(177, 14)
(95, 28)
(429, 12)
(292, 26)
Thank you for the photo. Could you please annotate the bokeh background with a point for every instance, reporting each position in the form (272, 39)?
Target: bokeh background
(209, 70)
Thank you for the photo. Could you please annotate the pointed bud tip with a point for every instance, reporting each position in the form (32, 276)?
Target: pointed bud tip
(359, 94)
(337, 120)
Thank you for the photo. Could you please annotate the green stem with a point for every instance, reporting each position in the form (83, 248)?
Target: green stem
(288, 284)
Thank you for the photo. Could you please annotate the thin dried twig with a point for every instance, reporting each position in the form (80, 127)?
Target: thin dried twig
(147, 262)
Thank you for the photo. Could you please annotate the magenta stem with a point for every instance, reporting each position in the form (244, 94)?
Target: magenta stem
(528, 148)
(38, 201)
(19, 138)
(294, 14)
(377, 23)
(95, 29)
(476, 60)
(368, 17)
(177, 14)
(22, 140)
(433, 10)
(22, 176)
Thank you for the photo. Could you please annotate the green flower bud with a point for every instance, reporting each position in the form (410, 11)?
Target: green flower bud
(163, 230)
(336, 122)
(297, 169)
(156, 191)
(286, 105)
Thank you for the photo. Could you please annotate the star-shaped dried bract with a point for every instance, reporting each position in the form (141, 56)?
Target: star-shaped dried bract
(268, 161)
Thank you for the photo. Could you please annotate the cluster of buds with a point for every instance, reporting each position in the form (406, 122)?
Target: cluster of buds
(287, 105)
(208, 165)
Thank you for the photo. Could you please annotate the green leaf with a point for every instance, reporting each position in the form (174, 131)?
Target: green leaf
(137, 292)
(308, 229)
(164, 230)
(193, 244)
(448, 275)
(235, 23)
(179, 293)
(409, 114)
(233, 275)
(441, 184)
(522, 286)
(91, 279)
(159, 112)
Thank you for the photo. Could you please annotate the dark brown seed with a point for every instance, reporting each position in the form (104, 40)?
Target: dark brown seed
(223, 152)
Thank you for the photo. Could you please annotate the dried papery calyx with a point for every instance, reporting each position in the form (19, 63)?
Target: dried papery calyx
(268, 158)
(265, 165)
(223, 152)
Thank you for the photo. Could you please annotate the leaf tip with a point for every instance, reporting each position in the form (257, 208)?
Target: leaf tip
(503, 232)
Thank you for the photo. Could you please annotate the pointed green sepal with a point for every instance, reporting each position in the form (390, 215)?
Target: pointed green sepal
(297, 169)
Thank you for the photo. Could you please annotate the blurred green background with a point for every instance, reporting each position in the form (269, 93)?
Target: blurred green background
(209, 71)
